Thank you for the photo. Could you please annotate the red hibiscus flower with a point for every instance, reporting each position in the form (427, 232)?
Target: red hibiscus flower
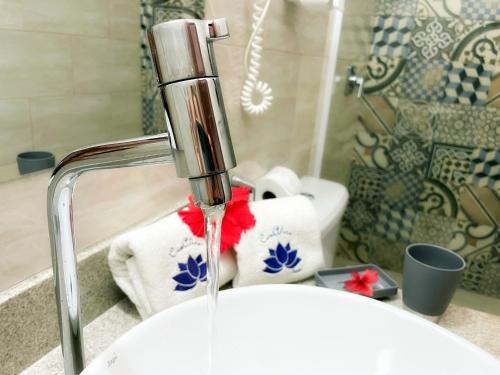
(362, 284)
(237, 219)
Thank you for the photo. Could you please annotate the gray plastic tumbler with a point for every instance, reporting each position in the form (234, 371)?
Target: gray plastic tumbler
(32, 161)
(430, 277)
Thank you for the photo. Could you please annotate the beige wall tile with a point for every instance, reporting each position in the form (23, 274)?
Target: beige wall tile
(46, 15)
(85, 17)
(34, 50)
(307, 98)
(21, 82)
(62, 124)
(311, 25)
(281, 71)
(11, 16)
(104, 65)
(126, 115)
(209, 10)
(280, 31)
(90, 17)
(106, 79)
(65, 123)
(90, 51)
(124, 20)
(266, 139)
(15, 129)
(299, 161)
(34, 64)
(8, 172)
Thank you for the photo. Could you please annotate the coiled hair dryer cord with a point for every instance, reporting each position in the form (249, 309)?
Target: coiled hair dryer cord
(253, 55)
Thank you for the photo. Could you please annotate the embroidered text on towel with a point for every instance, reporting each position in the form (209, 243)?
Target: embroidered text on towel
(187, 242)
(276, 231)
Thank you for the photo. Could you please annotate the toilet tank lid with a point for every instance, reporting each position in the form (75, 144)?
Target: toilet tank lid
(328, 198)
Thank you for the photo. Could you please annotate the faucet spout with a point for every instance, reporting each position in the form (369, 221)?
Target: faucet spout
(132, 152)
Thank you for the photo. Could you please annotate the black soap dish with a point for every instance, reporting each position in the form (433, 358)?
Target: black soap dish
(334, 278)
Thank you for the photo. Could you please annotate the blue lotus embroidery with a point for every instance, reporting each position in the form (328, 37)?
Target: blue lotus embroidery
(282, 256)
(192, 271)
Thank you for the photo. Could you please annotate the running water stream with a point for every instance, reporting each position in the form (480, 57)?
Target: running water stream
(213, 223)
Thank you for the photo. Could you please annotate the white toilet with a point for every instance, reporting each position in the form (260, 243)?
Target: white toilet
(330, 201)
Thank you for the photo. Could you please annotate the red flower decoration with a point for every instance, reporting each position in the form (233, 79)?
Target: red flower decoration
(362, 284)
(237, 219)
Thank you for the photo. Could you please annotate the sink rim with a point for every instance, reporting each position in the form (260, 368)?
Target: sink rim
(272, 288)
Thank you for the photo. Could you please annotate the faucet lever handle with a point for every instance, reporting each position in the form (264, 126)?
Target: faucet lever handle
(182, 49)
(217, 29)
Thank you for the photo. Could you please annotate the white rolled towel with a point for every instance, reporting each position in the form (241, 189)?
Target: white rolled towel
(163, 264)
(284, 246)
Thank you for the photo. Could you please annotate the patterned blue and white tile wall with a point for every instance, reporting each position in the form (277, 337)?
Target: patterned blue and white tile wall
(426, 165)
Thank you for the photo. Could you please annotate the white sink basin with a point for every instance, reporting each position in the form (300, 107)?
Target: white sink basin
(291, 329)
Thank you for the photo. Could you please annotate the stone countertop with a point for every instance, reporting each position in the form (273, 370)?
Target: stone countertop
(99, 334)
(475, 326)
(480, 328)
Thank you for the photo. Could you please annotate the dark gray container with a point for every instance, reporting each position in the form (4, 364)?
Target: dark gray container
(334, 278)
(430, 277)
(32, 161)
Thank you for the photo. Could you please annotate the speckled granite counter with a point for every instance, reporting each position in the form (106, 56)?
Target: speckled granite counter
(99, 334)
(480, 328)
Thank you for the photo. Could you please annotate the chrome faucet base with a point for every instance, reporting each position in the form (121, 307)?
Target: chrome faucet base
(133, 152)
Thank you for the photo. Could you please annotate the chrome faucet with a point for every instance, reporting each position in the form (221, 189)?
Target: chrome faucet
(197, 140)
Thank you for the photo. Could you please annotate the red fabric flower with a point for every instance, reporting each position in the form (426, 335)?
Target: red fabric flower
(362, 284)
(237, 219)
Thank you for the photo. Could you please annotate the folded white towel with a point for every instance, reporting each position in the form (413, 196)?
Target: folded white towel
(162, 264)
(284, 246)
